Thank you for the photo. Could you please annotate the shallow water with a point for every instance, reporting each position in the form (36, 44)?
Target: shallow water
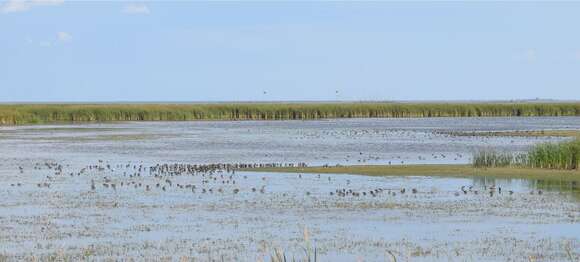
(344, 141)
(537, 220)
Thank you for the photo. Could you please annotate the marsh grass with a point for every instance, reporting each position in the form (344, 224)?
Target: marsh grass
(13, 114)
(497, 159)
(564, 155)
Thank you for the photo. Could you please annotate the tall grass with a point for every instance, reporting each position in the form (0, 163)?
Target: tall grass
(555, 156)
(565, 155)
(497, 159)
(12, 114)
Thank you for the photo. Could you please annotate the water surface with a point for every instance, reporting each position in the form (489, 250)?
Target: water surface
(433, 219)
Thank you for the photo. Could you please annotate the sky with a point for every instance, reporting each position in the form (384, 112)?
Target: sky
(72, 51)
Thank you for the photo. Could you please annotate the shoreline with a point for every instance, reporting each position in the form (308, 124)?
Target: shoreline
(433, 170)
(519, 133)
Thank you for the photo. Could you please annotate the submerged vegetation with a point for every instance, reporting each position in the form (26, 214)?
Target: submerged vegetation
(46, 113)
(565, 155)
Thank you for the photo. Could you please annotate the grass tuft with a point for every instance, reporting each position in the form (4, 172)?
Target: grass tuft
(564, 155)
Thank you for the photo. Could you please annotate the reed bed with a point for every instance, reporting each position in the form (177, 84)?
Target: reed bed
(498, 159)
(565, 155)
(555, 156)
(14, 114)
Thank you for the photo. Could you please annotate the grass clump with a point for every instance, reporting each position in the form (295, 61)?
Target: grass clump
(564, 155)
(497, 159)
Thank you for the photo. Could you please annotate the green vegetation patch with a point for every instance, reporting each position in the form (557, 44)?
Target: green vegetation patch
(13, 114)
(563, 155)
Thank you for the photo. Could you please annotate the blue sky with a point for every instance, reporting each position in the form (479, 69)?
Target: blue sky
(56, 50)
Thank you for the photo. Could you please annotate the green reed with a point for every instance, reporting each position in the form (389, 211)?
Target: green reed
(13, 114)
(496, 159)
(555, 156)
(564, 155)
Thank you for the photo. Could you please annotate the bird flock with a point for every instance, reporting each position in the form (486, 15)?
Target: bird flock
(217, 178)
(210, 178)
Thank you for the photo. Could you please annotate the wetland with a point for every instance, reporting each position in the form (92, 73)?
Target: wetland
(268, 190)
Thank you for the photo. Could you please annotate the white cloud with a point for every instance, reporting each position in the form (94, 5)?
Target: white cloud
(577, 55)
(64, 36)
(61, 37)
(530, 55)
(45, 43)
(14, 6)
(135, 8)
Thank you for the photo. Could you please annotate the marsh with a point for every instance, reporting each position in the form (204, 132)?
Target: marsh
(165, 190)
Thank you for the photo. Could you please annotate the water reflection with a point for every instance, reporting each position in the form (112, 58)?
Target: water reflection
(559, 186)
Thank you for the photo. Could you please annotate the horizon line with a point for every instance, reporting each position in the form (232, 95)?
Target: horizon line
(536, 100)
